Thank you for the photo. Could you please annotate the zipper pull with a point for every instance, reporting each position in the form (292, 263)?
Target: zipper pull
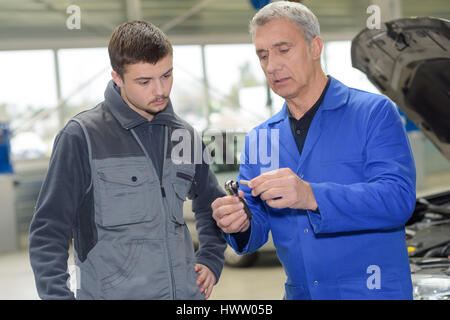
(163, 192)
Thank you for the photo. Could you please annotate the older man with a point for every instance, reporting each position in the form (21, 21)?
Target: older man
(344, 183)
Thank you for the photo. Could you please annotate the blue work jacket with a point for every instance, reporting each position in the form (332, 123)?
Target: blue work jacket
(359, 163)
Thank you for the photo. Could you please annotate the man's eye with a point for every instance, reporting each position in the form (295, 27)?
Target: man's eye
(143, 83)
(262, 58)
(167, 75)
(284, 50)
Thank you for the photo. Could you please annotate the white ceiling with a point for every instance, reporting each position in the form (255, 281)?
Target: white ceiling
(41, 24)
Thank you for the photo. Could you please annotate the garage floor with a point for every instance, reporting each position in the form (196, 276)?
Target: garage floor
(17, 280)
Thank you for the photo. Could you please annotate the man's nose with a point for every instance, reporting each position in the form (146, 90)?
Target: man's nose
(158, 88)
(273, 64)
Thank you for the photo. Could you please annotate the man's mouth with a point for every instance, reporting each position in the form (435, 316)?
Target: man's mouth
(159, 101)
(280, 81)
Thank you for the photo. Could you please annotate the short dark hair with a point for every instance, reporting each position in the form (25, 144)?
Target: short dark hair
(137, 41)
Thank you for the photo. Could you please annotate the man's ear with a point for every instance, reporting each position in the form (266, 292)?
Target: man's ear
(117, 78)
(315, 48)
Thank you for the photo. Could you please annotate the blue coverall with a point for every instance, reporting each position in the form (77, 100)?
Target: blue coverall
(359, 163)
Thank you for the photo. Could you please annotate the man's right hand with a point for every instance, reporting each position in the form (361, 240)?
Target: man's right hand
(229, 214)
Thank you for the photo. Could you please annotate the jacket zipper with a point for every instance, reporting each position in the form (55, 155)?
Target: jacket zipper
(163, 194)
(166, 240)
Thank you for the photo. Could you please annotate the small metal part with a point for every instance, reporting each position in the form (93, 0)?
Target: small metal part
(232, 189)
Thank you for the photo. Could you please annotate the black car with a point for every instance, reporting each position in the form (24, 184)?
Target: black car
(408, 60)
(228, 151)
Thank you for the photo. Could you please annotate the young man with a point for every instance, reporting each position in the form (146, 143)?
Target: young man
(113, 187)
(345, 186)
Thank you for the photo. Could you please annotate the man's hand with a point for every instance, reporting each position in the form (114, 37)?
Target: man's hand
(206, 279)
(282, 188)
(229, 214)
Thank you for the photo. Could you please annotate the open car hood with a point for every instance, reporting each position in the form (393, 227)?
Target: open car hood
(409, 61)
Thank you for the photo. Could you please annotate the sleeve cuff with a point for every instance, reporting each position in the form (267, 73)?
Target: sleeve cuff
(316, 217)
(242, 238)
(239, 241)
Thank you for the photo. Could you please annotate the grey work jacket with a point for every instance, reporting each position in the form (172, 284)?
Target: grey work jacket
(125, 216)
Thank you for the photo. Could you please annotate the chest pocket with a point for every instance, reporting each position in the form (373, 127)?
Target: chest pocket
(182, 182)
(126, 195)
(182, 179)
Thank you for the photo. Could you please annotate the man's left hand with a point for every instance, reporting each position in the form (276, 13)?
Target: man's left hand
(282, 188)
(206, 279)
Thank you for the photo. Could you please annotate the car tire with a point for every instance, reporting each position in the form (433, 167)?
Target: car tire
(232, 259)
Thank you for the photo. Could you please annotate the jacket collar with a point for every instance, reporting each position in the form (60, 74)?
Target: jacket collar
(128, 118)
(335, 97)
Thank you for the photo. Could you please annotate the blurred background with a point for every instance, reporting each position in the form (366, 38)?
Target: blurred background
(54, 63)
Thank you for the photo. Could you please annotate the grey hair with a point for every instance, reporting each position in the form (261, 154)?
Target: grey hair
(292, 11)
